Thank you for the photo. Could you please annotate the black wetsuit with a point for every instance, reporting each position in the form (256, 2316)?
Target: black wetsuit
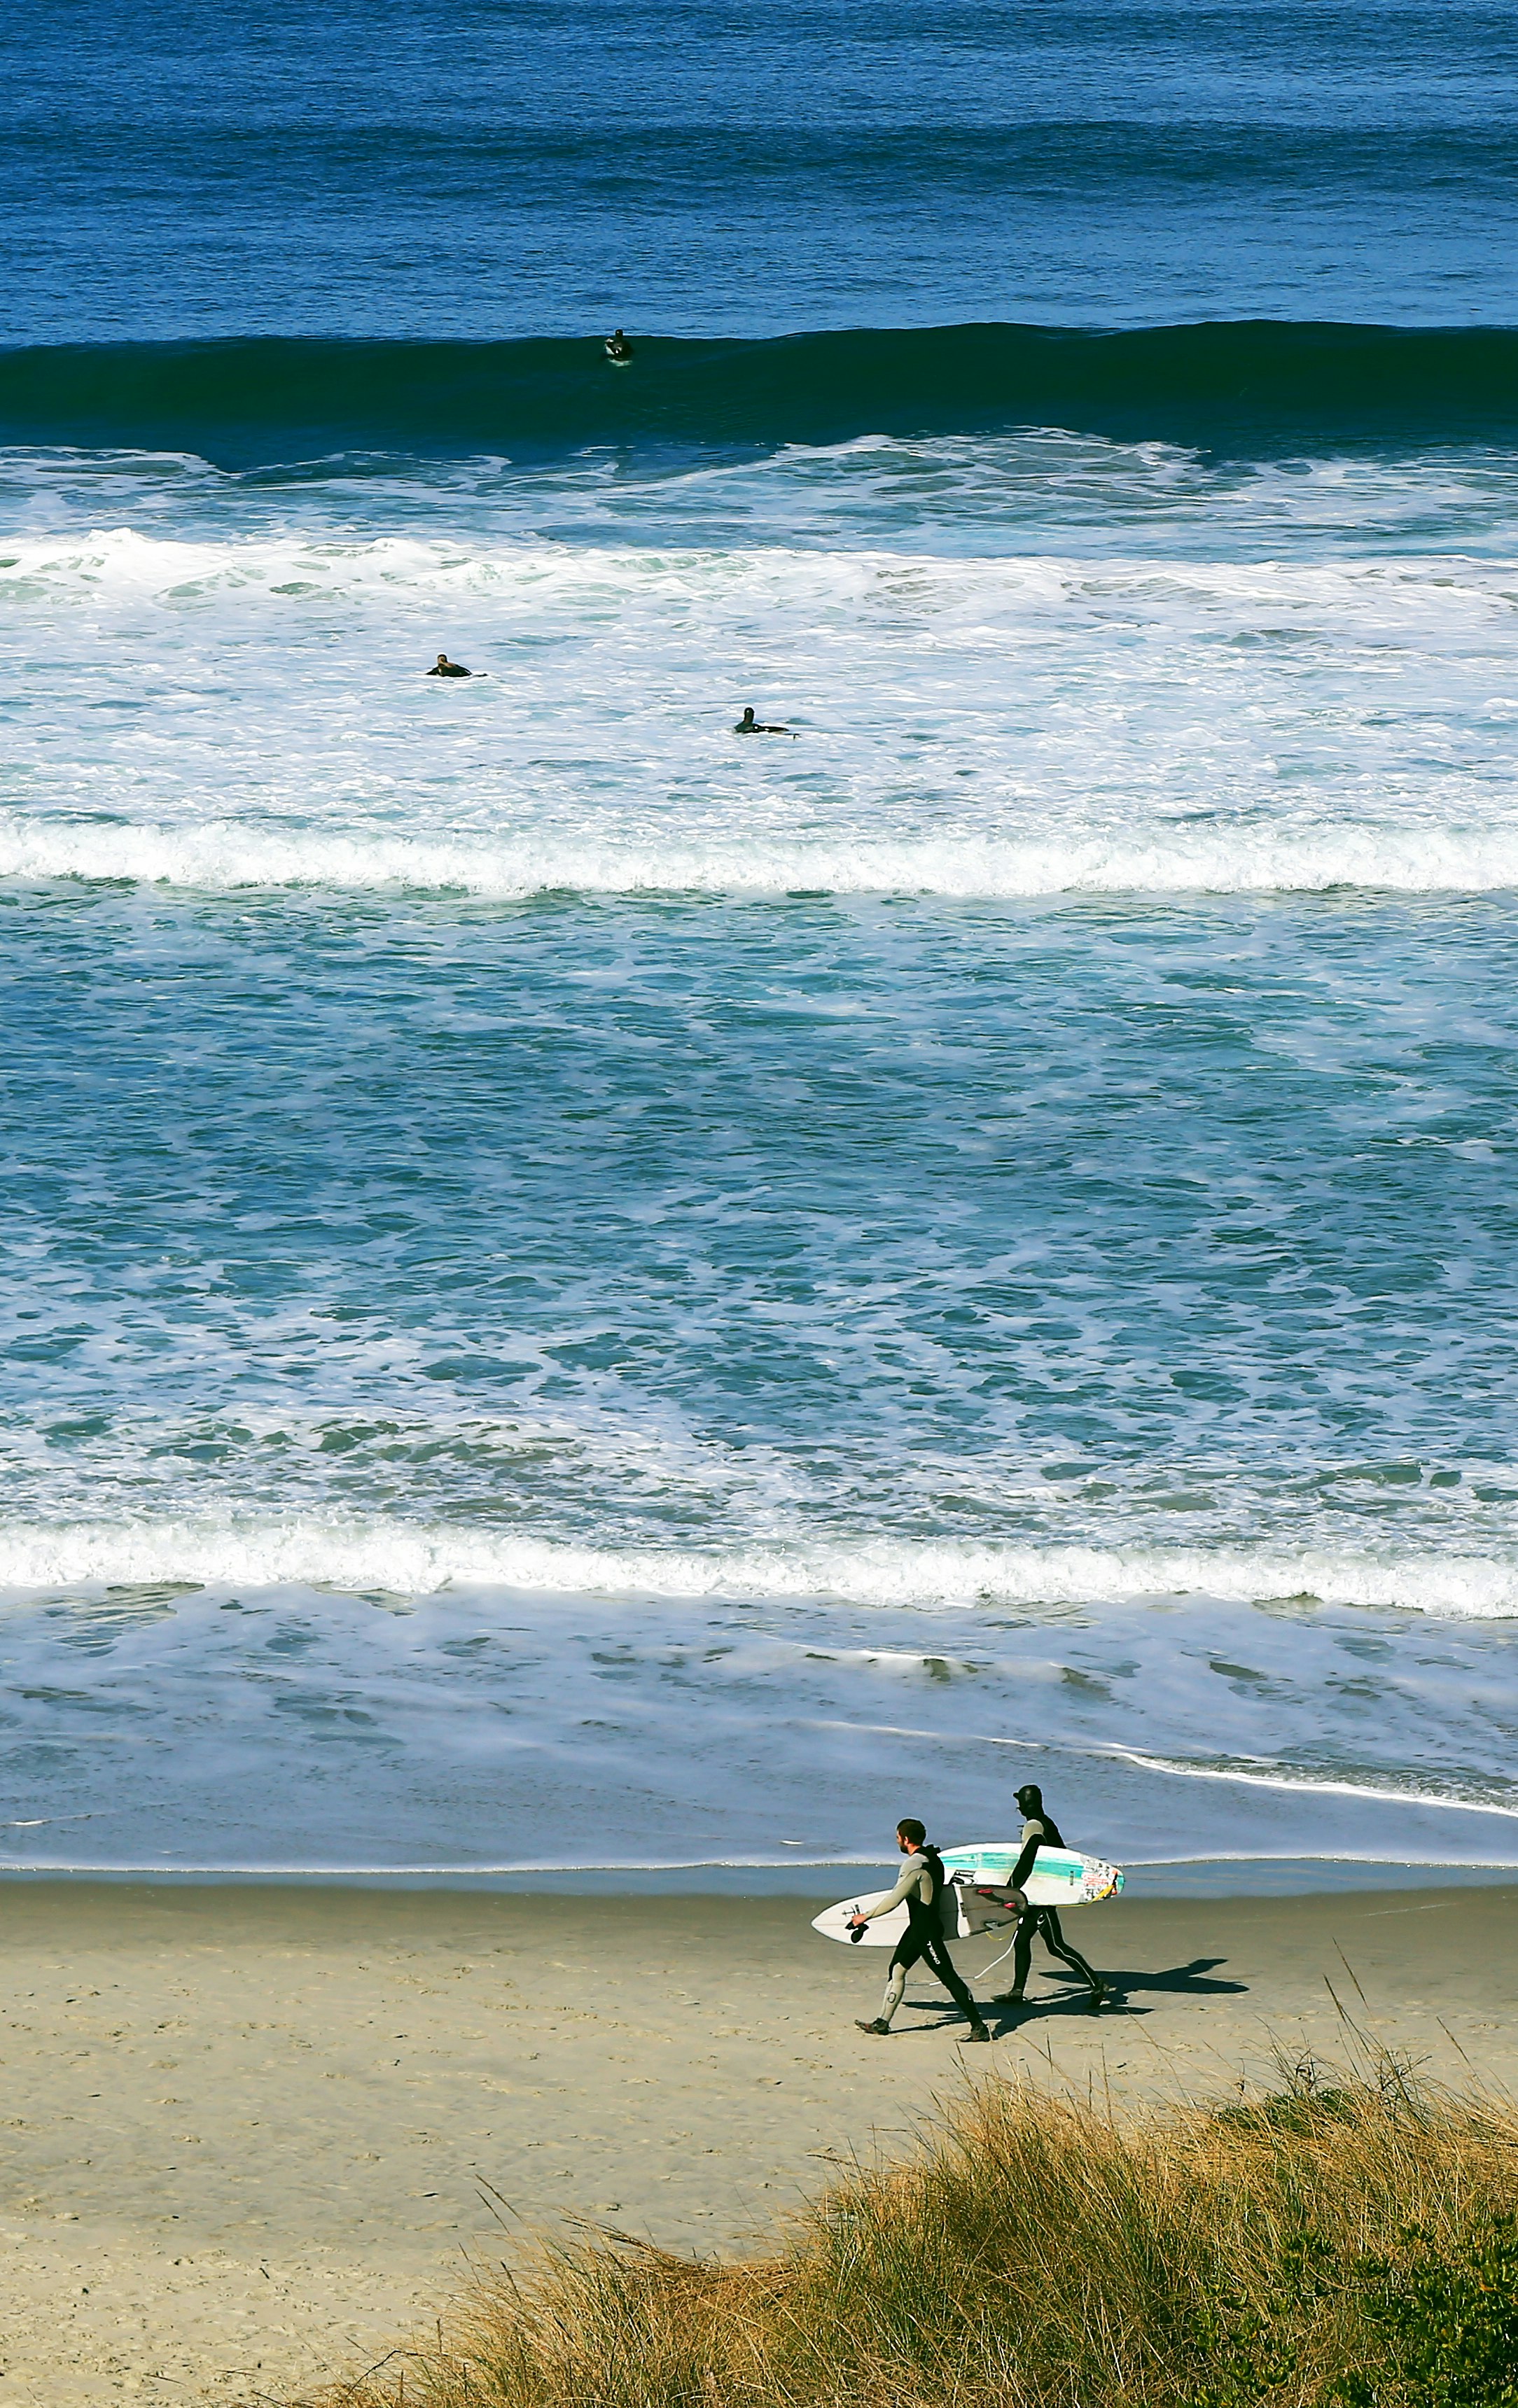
(1040, 1830)
(923, 1938)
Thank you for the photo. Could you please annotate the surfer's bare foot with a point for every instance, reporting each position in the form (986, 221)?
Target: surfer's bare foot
(1099, 1997)
(1008, 1999)
(977, 2031)
(875, 2025)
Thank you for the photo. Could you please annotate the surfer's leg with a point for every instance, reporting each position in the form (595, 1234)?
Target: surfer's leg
(1022, 1950)
(1057, 1944)
(894, 1992)
(905, 1955)
(939, 1961)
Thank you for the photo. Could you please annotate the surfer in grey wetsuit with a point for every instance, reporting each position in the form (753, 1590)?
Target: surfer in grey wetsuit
(449, 669)
(1039, 1829)
(921, 1887)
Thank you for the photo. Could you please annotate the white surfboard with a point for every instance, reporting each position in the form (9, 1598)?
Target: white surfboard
(833, 1921)
(980, 1897)
(1059, 1877)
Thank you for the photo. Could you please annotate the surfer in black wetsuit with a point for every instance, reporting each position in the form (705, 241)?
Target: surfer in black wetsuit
(449, 669)
(749, 725)
(617, 346)
(921, 1887)
(1039, 1829)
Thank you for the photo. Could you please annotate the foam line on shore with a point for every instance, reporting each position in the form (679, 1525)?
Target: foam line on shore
(1276, 1777)
(555, 1867)
(1244, 1776)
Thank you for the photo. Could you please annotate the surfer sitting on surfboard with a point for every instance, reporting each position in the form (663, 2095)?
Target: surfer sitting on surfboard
(618, 348)
(1039, 1828)
(749, 725)
(921, 1887)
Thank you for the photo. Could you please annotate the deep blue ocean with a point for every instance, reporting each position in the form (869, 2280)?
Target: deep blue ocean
(587, 1292)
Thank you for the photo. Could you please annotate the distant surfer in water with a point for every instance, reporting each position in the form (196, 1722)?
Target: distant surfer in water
(449, 669)
(618, 348)
(749, 725)
(1040, 1829)
(921, 1887)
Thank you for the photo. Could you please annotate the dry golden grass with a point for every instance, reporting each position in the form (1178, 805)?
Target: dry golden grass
(1293, 2249)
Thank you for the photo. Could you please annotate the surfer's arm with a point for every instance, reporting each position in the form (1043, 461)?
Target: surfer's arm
(1025, 1862)
(911, 1872)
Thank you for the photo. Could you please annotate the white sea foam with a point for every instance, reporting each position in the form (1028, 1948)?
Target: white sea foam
(217, 715)
(219, 855)
(885, 1573)
(1448, 596)
(1034, 488)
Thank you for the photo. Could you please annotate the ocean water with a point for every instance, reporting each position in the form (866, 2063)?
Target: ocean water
(586, 1293)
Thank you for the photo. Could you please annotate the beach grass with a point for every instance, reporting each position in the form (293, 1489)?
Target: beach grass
(1349, 2241)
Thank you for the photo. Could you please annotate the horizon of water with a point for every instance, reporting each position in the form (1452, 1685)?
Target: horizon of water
(584, 1294)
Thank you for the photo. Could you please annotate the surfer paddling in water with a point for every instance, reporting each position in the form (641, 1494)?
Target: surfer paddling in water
(921, 1888)
(1039, 1829)
(749, 725)
(449, 669)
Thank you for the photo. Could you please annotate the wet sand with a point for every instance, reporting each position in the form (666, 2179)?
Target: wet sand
(250, 2134)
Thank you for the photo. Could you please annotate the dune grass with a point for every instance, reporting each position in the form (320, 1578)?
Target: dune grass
(1354, 2243)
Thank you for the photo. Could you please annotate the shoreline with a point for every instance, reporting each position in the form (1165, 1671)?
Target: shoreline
(1220, 1877)
(255, 2132)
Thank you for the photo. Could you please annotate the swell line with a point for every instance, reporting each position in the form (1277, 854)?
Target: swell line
(245, 403)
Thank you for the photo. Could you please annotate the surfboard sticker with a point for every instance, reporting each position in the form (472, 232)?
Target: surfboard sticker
(980, 1897)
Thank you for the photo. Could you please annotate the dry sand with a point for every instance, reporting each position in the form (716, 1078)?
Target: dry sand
(251, 2133)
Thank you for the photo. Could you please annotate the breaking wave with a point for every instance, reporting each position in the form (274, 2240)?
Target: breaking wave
(422, 1561)
(216, 855)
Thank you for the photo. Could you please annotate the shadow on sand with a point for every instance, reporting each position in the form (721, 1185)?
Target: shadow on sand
(1190, 1981)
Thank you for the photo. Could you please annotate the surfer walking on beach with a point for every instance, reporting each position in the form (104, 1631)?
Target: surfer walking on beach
(921, 1888)
(1039, 1829)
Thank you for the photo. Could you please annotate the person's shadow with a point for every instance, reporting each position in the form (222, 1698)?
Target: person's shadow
(1176, 1980)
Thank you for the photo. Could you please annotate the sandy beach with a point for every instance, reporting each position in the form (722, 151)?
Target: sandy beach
(253, 2135)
